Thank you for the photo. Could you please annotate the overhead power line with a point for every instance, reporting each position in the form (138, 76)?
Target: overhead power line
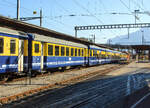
(81, 6)
(130, 10)
(136, 3)
(78, 4)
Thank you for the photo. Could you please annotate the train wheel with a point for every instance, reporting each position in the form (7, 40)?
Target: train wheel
(5, 78)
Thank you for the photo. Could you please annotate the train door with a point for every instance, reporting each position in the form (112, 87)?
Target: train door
(85, 58)
(21, 56)
(42, 56)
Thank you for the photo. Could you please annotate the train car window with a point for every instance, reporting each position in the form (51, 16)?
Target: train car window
(36, 48)
(85, 53)
(50, 50)
(56, 50)
(62, 51)
(95, 53)
(82, 52)
(1, 45)
(72, 52)
(90, 53)
(79, 52)
(76, 52)
(12, 46)
(67, 51)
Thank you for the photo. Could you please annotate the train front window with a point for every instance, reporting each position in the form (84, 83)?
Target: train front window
(50, 50)
(1, 45)
(36, 46)
(56, 50)
(12, 46)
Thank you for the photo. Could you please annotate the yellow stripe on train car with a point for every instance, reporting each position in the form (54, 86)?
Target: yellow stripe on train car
(103, 52)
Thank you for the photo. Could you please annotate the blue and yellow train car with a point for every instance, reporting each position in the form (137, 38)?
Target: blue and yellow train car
(21, 52)
(36, 55)
(58, 55)
(97, 55)
(11, 53)
(50, 52)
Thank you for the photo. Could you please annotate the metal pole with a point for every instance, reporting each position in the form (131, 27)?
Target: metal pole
(41, 17)
(142, 37)
(94, 38)
(109, 42)
(75, 33)
(135, 16)
(18, 9)
(135, 11)
(128, 33)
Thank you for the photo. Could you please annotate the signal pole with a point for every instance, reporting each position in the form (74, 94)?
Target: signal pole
(18, 9)
(31, 18)
(27, 18)
(41, 17)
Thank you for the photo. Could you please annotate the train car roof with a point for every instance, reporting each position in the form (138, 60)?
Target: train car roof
(30, 28)
(12, 33)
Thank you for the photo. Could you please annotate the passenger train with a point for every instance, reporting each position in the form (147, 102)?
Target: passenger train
(24, 52)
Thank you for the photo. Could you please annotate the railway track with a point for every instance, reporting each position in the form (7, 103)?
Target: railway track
(91, 94)
(48, 86)
(103, 95)
(21, 78)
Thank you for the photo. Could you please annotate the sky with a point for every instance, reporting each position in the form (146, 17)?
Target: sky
(57, 15)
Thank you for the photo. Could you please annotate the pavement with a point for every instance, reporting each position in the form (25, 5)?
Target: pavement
(144, 102)
(96, 92)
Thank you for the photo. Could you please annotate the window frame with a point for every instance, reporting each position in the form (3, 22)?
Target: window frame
(12, 49)
(75, 52)
(63, 51)
(90, 52)
(83, 52)
(94, 53)
(72, 51)
(35, 49)
(58, 50)
(79, 52)
(50, 53)
(1, 52)
(67, 51)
